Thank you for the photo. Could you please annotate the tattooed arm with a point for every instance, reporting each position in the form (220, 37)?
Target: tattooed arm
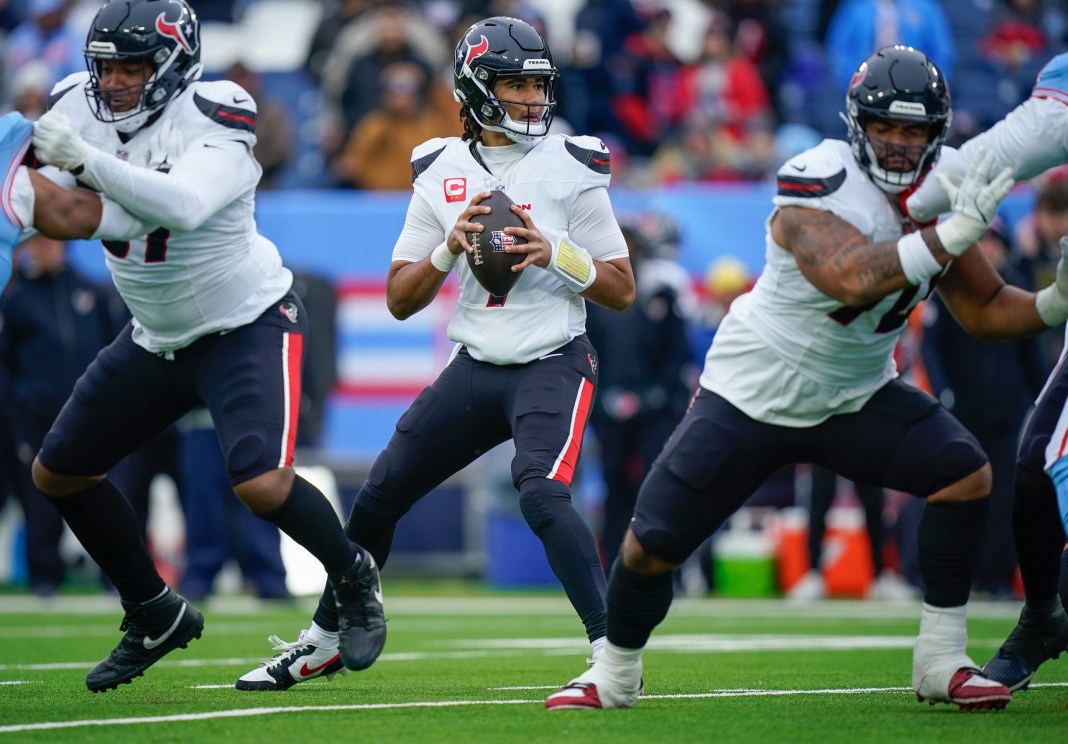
(838, 260)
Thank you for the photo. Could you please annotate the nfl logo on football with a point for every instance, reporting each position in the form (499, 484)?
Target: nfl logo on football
(499, 240)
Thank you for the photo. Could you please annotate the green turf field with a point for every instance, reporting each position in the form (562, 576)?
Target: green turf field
(469, 665)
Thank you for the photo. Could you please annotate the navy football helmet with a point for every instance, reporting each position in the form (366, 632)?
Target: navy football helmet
(503, 47)
(901, 84)
(163, 34)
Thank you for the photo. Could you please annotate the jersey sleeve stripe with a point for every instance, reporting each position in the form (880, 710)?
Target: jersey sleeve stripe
(596, 160)
(228, 116)
(421, 164)
(810, 187)
(1050, 93)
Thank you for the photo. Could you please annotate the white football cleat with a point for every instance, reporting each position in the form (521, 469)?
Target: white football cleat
(595, 690)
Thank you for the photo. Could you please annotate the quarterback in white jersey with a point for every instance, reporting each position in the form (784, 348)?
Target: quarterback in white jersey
(1031, 138)
(215, 320)
(523, 368)
(801, 370)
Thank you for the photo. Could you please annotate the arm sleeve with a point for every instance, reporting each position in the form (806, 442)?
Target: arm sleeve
(421, 232)
(118, 224)
(592, 225)
(1031, 138)
(207, 177)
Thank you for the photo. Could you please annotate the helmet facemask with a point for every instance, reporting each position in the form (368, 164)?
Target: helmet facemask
(866, 146)
(493, 115)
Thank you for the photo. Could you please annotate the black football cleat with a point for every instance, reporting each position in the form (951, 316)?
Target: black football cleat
(361, 620)
(153, 630)
(1034, 641)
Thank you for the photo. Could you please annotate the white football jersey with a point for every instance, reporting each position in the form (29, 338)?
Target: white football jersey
(786, 353)
(1032, 138)
(182, 280)
(546, 179)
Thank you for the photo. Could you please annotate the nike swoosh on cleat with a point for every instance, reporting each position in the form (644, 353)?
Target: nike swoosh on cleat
(151, 643)
(378, 593)
(304, 671)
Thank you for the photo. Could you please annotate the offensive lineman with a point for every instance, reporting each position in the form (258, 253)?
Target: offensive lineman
(215, 321)
(802, 370)
(1032, 138)
(523, 368)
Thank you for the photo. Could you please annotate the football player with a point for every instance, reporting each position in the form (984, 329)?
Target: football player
(802, 370)
(215, 320)
(523, 368)
(1032, 138)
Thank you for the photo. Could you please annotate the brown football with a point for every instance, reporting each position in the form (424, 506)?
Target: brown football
(489, 263)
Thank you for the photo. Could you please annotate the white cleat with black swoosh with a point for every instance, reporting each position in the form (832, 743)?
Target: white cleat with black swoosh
(153, 630)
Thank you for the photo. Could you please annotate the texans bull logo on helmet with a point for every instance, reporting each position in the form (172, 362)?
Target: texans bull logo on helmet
(474, 51)
(173, 30)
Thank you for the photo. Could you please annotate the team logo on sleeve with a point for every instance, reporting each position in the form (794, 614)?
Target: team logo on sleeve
(455, 189)
(289, 310)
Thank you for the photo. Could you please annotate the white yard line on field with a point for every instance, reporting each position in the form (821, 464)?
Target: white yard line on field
(253, 712)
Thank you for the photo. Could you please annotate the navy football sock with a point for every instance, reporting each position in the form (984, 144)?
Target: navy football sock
(949, 540)
(308, 518)
(637, 603)
(109, 530)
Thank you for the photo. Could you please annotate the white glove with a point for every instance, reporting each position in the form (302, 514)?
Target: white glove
(165, 147)
(1052, 302)
(930, 200)
(56, 142)
(975, 202)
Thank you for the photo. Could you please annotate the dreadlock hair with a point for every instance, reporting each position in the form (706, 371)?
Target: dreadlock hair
(472, 129)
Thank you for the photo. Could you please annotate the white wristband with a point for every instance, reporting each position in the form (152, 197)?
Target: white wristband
(572, 265)
(1051, 305)
(917, 262)
(442, 258)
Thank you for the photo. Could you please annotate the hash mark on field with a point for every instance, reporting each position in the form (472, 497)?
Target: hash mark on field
(252, 712)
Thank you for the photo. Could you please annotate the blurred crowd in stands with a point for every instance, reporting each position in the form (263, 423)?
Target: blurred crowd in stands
(681, 90)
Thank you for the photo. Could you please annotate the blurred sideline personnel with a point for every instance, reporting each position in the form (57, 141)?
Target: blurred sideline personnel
(644, 352)
(843, 271)
(523, 368)
(215, 320)
(1032, 138)
(53, 321)
(888, 585)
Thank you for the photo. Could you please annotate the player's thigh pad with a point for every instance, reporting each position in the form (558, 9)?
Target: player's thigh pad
(250, 380)
(715, 459)
(550, 408)
(902, 439)
(125, 397)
